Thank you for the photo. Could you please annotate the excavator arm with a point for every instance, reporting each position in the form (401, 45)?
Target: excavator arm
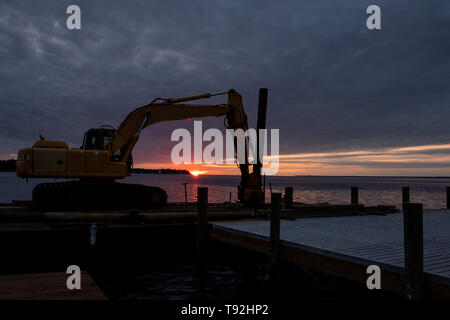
(129, 130)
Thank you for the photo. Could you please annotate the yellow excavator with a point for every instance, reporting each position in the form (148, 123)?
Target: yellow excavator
(105, 156)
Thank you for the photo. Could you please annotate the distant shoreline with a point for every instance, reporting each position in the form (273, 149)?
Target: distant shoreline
(10, 166)
(158, 171)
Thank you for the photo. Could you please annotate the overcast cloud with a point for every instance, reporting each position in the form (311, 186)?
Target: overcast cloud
(333, 84)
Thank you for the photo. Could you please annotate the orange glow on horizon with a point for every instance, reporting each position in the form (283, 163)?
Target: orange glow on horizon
(196, 173)
(423, 160)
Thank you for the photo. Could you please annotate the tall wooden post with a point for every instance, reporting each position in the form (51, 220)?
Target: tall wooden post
(275, 234)
(288, 197)
(413, 241)
(354, 195)
(448, 197)
(260, 124)
(202, 219)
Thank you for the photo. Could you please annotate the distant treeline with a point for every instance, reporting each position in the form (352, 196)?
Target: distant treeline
(159, 171)
(8, 165)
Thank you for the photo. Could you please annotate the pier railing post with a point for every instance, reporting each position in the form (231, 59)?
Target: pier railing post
(275, 234)
(413, 241)
(288, 197)
(354, 195)
(405, 196)
(202, 219)
(448, 197)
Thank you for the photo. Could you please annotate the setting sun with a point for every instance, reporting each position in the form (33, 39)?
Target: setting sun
(197, 173)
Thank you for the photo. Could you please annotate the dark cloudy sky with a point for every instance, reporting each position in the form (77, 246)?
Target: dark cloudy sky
(346, 99)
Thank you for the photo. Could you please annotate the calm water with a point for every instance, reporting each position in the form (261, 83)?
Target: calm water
(228, 274)
(307, 189)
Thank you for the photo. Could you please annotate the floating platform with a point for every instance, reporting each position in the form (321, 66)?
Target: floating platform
(47, 286)
(23, 212)
(346, 246)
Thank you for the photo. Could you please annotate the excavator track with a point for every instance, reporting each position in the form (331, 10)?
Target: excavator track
(70, 195)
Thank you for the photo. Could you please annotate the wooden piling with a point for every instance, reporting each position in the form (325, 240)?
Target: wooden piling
(354, 195)
(260, 124)
(413, 241)
(448, 197)
(288, 197)
(185, 193)
(275, 234)
(202, 219)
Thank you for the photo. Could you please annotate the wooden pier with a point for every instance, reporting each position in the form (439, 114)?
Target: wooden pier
(346, 246)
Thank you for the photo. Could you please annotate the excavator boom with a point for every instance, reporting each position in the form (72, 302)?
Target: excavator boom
(129, 130)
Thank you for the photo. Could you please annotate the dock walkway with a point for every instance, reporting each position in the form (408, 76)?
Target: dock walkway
(345, 246)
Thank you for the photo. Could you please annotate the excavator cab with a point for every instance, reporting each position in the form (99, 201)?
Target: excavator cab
(97, 139)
